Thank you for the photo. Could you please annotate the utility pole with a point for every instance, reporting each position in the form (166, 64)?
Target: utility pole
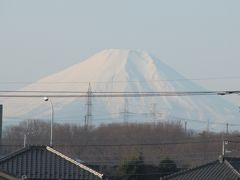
(52, 119)
(125, 112)
(26, 135)
(153, 112)
(208, 124)
(88, 116)
(185, 127)
(1, 119)
(224, 151)
(227, 128)
(24, 140)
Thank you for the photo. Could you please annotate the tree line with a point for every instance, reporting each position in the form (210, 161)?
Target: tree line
(124, 150)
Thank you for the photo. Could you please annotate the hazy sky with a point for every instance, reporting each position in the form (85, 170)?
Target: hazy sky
(198, 38)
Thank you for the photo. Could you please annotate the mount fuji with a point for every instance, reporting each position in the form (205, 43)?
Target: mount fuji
(117, 70)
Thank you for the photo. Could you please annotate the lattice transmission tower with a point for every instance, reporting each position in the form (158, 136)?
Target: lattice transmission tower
(88, 116)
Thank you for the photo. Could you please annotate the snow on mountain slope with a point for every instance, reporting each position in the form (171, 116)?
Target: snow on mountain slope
(121, 70)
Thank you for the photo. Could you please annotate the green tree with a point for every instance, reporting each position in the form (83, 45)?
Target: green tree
(167, 166)
(133, 169)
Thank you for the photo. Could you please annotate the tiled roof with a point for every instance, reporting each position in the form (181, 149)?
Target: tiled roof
(216, 170)
(234, 162)
(7, 176)
(43, 162)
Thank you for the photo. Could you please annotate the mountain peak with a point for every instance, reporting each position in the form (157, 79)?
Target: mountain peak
(123, 56)
(125, 52)
(120, 70)
(122, 50)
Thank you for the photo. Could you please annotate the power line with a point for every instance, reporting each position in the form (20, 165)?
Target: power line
(69, 94)
(136, 144)
(204, 122)
(112, 82)
(130, 92)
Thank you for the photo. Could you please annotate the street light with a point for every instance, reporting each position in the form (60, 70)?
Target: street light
(52, 118)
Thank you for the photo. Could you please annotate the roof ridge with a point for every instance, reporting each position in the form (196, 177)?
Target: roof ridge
(11, 154)
(232, 168)
(190, 169)
(74, 162)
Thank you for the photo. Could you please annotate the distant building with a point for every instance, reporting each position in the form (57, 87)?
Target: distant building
(43, 162)
(223, 169)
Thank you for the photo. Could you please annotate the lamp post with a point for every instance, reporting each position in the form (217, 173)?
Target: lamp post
(52, 118)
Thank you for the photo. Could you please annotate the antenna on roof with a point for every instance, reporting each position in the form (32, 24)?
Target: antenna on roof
(223, 147)
(224, 150)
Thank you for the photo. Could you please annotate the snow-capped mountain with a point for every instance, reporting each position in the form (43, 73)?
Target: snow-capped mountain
(115, 70)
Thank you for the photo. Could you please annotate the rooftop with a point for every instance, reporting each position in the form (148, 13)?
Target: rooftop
(223, 169)
(43, 162)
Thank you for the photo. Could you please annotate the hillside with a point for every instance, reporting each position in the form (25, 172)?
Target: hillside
(116, 70)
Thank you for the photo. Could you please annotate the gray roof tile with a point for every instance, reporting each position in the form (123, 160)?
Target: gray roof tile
(211, 171)
(41, 162)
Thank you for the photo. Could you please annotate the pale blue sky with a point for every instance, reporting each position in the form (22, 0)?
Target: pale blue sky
(199, 38)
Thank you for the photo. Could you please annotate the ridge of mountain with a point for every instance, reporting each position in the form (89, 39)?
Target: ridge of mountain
(122, 70)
